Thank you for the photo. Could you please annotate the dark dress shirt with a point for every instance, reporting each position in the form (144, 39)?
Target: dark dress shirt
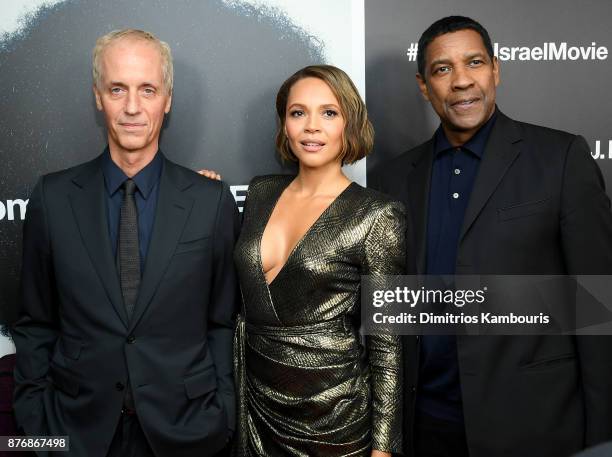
(453, 175)
(147, 183)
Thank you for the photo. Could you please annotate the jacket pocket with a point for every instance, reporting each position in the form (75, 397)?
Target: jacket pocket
(63, 380)
(549, 362)
(523, 209)
(192, 245)
(201, 383)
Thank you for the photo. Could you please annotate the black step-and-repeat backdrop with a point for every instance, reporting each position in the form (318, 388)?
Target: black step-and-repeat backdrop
(230, 58)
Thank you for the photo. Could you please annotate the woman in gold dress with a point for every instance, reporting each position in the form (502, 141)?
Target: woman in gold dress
(307, 386)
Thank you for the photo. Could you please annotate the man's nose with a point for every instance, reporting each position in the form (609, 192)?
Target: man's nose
(461, 78)
(132, 103)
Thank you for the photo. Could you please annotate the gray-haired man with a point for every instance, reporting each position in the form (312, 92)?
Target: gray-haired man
(128, 289)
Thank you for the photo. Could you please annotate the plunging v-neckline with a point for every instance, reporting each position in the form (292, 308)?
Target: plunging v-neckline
(302, 238)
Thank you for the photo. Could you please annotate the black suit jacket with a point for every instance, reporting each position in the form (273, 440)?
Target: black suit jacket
(75, 346)
(538, 207)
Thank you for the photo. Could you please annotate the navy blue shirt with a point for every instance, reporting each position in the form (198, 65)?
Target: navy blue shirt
(453, 175)
(147, 183)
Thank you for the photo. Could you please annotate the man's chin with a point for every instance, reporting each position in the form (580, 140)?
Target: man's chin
(467, 123)
(133, 146)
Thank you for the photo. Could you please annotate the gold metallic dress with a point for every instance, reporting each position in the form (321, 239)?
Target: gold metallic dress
(306, 385)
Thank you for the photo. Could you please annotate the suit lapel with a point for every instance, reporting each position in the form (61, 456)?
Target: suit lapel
(173, 209)
(417, 196)
(89, 208)
(503, 147)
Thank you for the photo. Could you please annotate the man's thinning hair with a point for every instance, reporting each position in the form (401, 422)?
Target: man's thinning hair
(446, 25)
(133, 34)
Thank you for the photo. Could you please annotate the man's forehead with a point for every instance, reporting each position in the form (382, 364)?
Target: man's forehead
(126, 64)
(465, 42)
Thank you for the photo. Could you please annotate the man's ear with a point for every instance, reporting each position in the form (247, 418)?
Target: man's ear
(422, 86)
(168, 104)
(496, 70)
(98, 97)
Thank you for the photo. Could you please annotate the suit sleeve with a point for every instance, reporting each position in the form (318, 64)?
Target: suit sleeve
(36, 330)
(385, 255)
(586, 231)
(224, 300)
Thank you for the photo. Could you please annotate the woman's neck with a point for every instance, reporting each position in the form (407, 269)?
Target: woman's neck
(311, 182)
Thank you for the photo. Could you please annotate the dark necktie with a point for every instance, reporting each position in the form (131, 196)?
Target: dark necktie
(128, 252)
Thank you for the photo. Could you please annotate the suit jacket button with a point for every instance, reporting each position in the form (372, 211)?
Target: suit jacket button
(131, 339)
(119, 386)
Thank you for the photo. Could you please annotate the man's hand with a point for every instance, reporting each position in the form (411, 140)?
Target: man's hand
(211, 174)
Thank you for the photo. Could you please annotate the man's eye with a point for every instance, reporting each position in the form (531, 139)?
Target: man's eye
(330, 113)
(116, 90)
(475, 62)
(444, 69)
(149, 91)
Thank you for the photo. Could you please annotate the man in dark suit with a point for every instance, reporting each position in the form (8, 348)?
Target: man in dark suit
(124, 340)
(490, 195)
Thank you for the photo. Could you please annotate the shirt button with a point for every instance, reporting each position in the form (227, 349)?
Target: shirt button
(457, 171)
(455, 195)
(131, 339)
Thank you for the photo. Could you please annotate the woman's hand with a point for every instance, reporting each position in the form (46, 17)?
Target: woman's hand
(376, 453)
(211, 174)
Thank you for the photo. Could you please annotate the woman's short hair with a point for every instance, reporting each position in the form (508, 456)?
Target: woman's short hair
(106, 40)
(358, 135)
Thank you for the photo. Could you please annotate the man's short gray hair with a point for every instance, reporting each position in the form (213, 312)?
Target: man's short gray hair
(164, 50)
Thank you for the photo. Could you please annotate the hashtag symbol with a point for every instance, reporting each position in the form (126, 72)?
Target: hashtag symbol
(412, 52)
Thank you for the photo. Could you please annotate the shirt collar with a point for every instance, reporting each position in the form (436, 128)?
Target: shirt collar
(476, 144)
(145, 179)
